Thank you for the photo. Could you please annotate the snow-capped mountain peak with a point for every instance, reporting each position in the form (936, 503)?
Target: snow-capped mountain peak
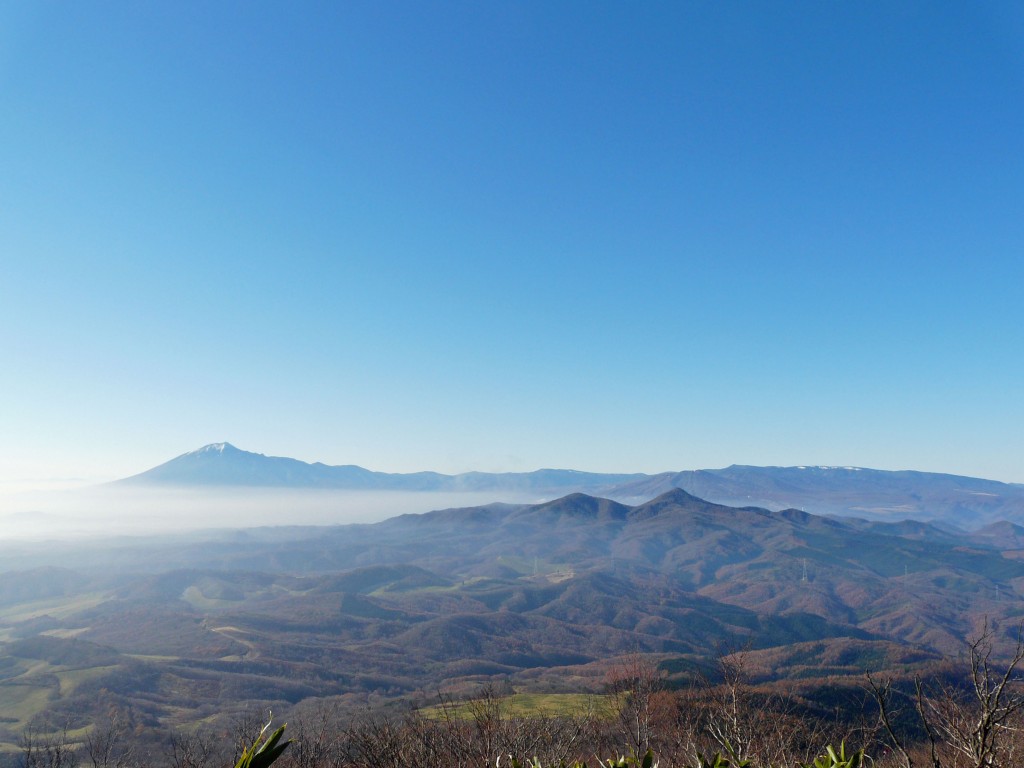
(213, 448)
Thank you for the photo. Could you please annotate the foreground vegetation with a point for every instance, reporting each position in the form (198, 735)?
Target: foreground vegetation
(970, 717)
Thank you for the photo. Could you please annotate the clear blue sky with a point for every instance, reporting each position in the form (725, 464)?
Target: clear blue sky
(500, 236)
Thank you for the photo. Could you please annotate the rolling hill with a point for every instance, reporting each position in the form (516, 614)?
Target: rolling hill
(543, 595)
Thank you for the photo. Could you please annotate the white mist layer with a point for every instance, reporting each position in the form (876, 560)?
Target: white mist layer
(106, 511)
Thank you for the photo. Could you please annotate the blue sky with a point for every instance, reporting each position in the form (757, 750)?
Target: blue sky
(501, 236)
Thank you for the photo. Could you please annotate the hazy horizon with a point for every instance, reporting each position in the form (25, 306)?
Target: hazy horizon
(103, 511)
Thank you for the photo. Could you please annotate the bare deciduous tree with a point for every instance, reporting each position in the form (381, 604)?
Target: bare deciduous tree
(635, 682)
(315, 739)
(192, 750)
(45, 750)
(970, 722)
(975, 722)
(106, 745)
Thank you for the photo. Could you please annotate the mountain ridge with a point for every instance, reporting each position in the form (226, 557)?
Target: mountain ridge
(225, 465)
(883, 495)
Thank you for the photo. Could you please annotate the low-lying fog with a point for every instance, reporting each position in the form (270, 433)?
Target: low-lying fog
(107, 510)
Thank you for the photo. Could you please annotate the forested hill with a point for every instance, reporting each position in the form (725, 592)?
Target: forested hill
(541, 595)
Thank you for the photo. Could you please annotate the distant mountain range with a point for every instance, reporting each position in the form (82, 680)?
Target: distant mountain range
(222, 464)
(965, 502)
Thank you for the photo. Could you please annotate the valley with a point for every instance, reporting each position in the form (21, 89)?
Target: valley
(543, 598)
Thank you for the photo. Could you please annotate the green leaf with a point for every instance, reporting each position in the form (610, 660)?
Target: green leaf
(261, 754)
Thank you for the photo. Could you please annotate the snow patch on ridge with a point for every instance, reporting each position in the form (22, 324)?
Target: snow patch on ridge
(822, 466)
(212, 448)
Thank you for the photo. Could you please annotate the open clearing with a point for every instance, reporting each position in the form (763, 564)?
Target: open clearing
(57, 607)
(531, 705)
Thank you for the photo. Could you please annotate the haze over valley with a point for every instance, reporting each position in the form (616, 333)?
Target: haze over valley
(221, 486)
